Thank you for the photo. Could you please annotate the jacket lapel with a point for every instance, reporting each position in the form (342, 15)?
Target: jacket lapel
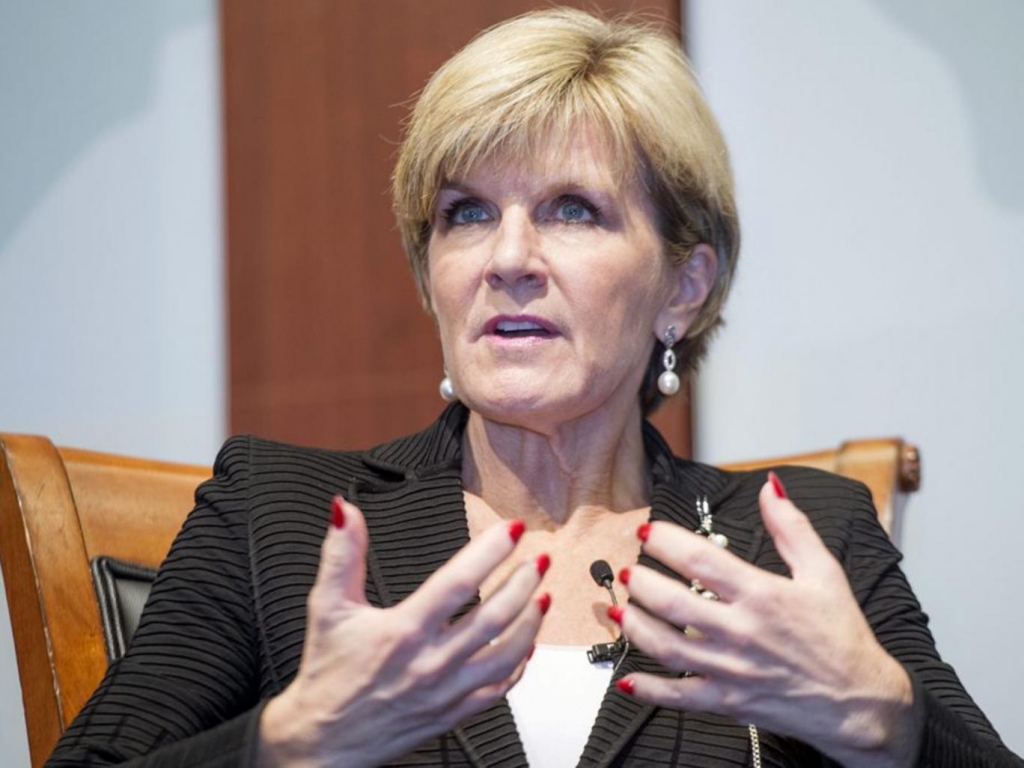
(676, 487)
(416, 516)
(411, 498)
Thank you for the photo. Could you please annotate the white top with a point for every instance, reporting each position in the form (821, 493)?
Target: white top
(556, 702)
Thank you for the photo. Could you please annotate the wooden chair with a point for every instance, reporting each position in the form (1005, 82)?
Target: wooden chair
(62, 509)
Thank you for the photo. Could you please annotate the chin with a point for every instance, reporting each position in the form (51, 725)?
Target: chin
(508, 407)
(531, 408)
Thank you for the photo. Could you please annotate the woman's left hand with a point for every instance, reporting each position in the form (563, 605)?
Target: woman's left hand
(793, 655)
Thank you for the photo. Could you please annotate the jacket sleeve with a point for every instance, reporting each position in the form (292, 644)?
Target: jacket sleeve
(954, 730)
(186, 693)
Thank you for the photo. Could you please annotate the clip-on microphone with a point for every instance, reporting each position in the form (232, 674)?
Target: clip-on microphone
(601, 572)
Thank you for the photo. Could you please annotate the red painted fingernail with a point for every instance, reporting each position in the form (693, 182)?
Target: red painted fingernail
(624, 575)
(625, 685)
(338, 512)
(615, 613)
(515, 530)
(543, 563)
(643, 531)
(544, 602)
(530, 654)
(777, 486)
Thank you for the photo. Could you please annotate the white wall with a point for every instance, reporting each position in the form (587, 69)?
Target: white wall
(110, 239)
(879, 155)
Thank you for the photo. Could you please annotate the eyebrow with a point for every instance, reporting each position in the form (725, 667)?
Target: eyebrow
(457, 186)
(556, 187)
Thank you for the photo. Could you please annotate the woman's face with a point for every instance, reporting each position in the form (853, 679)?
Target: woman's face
(549, 286)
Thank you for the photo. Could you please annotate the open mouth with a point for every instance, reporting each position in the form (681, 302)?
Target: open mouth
(517, 329)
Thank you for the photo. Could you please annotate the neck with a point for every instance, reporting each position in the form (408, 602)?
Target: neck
(571, 475)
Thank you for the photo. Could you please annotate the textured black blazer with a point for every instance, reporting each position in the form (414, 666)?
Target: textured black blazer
(224, 626)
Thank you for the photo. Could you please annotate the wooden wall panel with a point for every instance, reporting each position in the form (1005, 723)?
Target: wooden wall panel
(328, 344)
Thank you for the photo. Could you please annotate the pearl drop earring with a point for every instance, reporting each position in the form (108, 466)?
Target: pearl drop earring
(446, 389)
(668, 381)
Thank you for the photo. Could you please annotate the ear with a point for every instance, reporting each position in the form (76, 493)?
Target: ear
(693, 282)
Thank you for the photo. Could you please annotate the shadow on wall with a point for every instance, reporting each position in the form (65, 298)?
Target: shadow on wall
(976, 40)
(70, 72)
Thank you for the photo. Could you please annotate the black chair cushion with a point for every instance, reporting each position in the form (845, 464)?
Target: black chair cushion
(122, 589)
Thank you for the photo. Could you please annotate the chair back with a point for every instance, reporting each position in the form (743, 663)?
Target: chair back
(889, 467)
(61, 510)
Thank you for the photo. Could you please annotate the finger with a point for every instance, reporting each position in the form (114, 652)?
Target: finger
(458, 580)
(674, 602)
(492, 618)
(500, 660)
(693, 693)
(341, 576)
(695, 557)
(428, 724)
(480, 699)
(794, 536)
(668, 644)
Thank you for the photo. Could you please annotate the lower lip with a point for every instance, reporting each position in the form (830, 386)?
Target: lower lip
(518, 342)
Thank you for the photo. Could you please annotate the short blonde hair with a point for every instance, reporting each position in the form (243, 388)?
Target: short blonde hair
(544, 74)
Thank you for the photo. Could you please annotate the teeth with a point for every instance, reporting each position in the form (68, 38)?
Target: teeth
(507, 326)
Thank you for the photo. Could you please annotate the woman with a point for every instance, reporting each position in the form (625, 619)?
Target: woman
(566, 203)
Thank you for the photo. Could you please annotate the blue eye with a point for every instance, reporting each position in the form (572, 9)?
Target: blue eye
(465, 211)
(574, 209)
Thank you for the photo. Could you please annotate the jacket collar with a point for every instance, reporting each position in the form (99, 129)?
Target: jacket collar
(435, 449)
(421, 476)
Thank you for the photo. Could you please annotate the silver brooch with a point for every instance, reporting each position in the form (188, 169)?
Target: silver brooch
(707, 529)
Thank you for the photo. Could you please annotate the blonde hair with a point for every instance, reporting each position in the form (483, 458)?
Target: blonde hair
(544, 74)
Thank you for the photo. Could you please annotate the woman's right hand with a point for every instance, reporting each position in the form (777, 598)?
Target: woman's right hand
(375, 683)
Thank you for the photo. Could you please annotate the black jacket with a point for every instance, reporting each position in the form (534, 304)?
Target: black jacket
(224, 626)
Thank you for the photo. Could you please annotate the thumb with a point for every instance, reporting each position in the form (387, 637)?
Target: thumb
(342, 572)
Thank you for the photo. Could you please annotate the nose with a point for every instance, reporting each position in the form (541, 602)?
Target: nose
(516, 260)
